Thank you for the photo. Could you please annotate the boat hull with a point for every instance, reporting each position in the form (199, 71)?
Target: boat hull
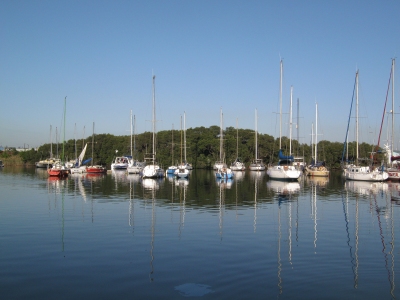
(96, 170)
(152, 171)
(365, 174)
(284, 173)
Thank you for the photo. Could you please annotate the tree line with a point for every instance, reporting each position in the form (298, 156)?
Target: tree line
(202, 148)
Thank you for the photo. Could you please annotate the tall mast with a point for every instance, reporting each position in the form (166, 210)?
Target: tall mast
(154, 118)
(256, 132)
(393, 62)
(312, 141)
(184, 133)
(51, 144)
(357, 117)
(290, 121)
(93, 145)
(297, 123)
(280, 106)
(237, 139)
(316, 132)
(65, 107)
(131, 135)
(181, 140)
(83, 138)
(76, 155)
(221, 137)
(134, 135)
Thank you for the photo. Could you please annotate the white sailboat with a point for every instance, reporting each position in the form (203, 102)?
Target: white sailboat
(237, 165)
(219, 164)
(285, 169)
(392, 156)
(135, 166)
(222, 171)
(362, 173)
(79, 168)
(153, 170)
(257, 164)
(181, 171)
(316, 169)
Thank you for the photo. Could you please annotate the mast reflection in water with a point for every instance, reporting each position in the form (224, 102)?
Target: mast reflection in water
(121, 236)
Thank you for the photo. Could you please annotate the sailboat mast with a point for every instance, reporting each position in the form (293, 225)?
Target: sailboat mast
(184, 133)
(131, 134)
(221, 137)
(51, 144)
(65, 107)
(256, 133)
(316, 133)
(76, 155)
(393, 62)
(297, 123)
(290, 121)
(237, 139)
(93, 145)
(181, 140)
(134, 135)
(280, 105)
(357, 117)
(312, 141)
(154, 118)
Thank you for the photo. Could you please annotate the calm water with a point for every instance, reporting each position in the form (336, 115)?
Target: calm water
(120, 237)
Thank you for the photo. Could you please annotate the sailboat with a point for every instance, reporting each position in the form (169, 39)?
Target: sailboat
(95, 169)
(222, 171)
(392, 156)
(316, 169)
(362, 173)
(135, 167)
(285, 169)
(79, 167)
(58, 169)
(182, 171)
(153, 170)
(237, 165)
(257, 164)
(171, 169)
(219, 164)
(185, 164)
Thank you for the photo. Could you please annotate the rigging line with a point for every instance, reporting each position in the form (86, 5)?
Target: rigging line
(348, 123)
(384, 108)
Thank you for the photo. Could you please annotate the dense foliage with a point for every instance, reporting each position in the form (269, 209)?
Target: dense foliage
(202, 148)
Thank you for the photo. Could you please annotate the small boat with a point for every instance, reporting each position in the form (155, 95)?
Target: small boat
(237, 165)
(222, 171)
(1, 164)
(285, 169)
(95, 169)
(257, 164)
(78, 167)
(363, 173)
(181, 171)
(120, 162)
(58, 170)
(45, 163)
(153, 170)
(135, 166)
(316, 169)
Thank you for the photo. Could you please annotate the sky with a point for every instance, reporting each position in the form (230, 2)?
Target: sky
(206, 55)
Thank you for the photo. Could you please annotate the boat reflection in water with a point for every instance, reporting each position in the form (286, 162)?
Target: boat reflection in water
(284, 189)
(239, 175)
(394, 188)
(317, 181)
(151, 184)
(224, 183)
(366, 188)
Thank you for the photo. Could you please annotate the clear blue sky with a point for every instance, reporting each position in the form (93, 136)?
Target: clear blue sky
(205, 55)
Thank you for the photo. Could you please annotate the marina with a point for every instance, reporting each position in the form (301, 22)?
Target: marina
(119, 235)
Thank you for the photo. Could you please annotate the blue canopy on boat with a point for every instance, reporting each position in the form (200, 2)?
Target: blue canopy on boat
(318, 163)
(283, 157)
(86, 161)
